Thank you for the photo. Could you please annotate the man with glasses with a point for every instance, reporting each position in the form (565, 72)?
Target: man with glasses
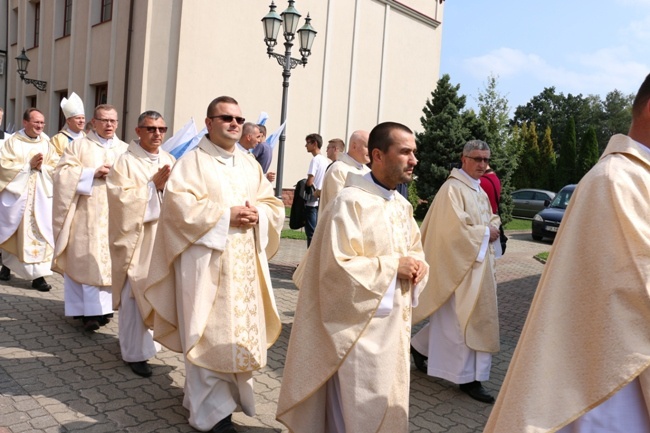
(209, 281)
(458, 234)
(27, 161)
(75, 120)
(135, 186)
(80, 220)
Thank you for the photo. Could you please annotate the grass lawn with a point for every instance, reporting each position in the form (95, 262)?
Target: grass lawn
(542, 257)
(517, 224)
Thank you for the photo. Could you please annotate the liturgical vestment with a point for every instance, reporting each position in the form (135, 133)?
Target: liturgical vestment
(586, 340)
(26, 236)
(64, 137)
(134, 208)
(335, 177)
(80, 225)
(209, 283)
(348, 362)
(464, 328)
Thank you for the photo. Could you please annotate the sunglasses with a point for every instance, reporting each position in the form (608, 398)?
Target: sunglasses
(228, 118)
(152, 129)
(479, 159)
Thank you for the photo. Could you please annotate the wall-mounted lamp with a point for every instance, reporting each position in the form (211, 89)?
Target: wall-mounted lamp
(23, 62)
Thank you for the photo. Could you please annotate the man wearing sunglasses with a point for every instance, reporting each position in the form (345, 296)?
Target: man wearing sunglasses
(458, 234)
(135, 186)
(209, 281)
(80, 220)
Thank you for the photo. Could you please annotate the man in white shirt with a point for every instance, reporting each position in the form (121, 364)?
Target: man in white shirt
(315, 176)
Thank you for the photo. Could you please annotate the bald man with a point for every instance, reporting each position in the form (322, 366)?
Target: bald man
(354, 161)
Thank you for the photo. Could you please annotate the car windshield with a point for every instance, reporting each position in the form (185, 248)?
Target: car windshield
(561, 201)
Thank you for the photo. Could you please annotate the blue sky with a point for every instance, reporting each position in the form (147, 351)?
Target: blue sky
(578, 46)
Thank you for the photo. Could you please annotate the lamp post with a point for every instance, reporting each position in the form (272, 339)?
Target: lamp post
(289, 20)
(23, 62)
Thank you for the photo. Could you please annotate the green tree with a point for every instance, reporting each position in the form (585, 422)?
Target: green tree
(547, 162)
(446, 128)
(588, 155)
(617, 117)
(566, 166)
(527, 173)
(494, 111)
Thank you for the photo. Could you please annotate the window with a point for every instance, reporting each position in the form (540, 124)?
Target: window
(67, 17)
(61, 94)
(37, 23)
(107, 10)
(523, 195)
(13, 27)
(101, 94)
(31, 103)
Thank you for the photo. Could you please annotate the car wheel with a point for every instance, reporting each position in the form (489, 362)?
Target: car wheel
(537, 238)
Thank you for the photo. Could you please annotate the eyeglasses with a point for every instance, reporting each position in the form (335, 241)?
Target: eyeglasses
(152, 129)
(108, 121)
(479, 159)
(228, 118)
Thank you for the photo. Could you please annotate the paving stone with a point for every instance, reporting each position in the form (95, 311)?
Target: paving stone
(56, 378)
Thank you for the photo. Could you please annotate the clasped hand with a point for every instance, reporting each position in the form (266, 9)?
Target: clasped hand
(411, 269)
(243, 216)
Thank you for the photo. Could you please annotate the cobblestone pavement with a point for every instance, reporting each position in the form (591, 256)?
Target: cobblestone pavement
(55, 378)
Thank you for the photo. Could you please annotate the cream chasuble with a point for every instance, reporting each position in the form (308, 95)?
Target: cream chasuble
(26, 206)
(587, 334)
(80, 220)
(212, 276)
(353, 317)
(132, 223)
(64, 137)
(453, 232)
(335, 176)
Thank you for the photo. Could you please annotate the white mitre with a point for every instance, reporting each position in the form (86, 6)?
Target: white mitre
(72, 106)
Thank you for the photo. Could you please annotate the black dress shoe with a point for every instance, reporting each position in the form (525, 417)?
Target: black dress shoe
(420, 360)
(224, 426)
(41, 285)
(90, 324)
(141, 368)
(476, 391)
(5, 273)
(104, 320)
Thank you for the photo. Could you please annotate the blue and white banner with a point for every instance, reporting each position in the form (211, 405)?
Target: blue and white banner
(272, 139)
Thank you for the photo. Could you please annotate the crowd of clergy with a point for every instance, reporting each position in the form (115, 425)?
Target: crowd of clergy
(95, 209)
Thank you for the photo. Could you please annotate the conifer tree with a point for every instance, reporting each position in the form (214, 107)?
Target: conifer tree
(566, 165)
(589, 153)
(446, 129)
(547, 162)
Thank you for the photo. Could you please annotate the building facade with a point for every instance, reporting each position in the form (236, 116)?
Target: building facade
(372, 61)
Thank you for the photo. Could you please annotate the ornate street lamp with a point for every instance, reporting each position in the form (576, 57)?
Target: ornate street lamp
(23, 62)
(272, 22)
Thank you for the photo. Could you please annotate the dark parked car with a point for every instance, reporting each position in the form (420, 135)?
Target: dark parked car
(530, 201)
(547, 222)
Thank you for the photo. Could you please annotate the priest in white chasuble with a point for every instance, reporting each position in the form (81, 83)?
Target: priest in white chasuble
(582, 362)
(348, 364)
(80, 220)
(458, 234)
(27, 162)
(209, 282)
(354, 161)
(135, 187)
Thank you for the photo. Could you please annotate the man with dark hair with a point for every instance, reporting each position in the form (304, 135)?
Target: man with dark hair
(135, 186)
(581, 364)
(80, 220)
(27, 161)
(209, 282)
(347, 367)
(457, 234)
(315, 176)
